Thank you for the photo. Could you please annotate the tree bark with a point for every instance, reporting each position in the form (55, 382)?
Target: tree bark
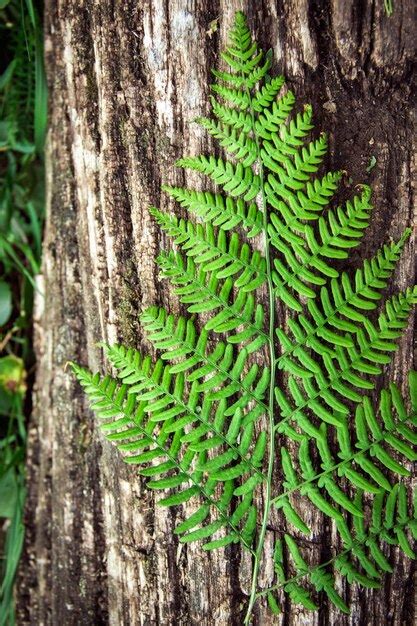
(126, 79)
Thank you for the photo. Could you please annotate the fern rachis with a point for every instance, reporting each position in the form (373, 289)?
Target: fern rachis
(194, 421)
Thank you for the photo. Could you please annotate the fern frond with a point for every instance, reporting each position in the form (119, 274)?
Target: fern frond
(304, 265)
(194, 421)
(296, 592)
(296, 273)
(345, 369)
(236, 180)
(290, 138)
(243, 57)
(202, 294)
(223, 212)
(341, 309)
(167, 389)
(127, 424)
(237, 143)
(343, 227)
(180, 344)
(239, 120)
(295, 172)
(267, 94)
(361, 561)
(270, 120)
(236, 97)
(215, 253)
(384, 439)
(303, 204)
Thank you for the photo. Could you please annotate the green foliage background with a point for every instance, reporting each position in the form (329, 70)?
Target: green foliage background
(22, 132)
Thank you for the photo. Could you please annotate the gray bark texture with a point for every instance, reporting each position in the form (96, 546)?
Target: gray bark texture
(126, 78)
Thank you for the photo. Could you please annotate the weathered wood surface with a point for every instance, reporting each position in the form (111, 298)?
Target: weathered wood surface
(126, 78)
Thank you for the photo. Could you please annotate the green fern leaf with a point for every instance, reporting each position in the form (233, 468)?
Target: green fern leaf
(361, 561)
(215, 254)
(383, 436)
(200, 422)
(224, 212)
(236, 180)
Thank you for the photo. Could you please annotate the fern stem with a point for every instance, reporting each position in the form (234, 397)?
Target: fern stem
(273, 363)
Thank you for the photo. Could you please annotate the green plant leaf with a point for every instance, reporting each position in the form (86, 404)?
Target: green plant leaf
(5, 303)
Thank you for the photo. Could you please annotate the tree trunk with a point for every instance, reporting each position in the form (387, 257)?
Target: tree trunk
(126, 79)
